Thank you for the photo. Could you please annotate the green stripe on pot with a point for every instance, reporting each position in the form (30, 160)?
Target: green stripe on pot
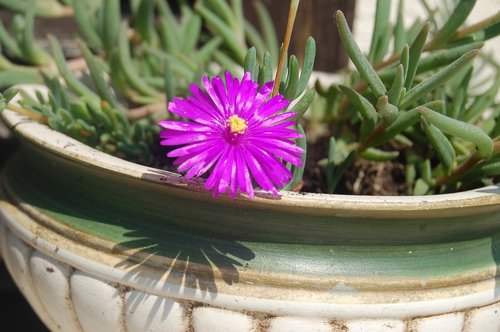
(137, 214)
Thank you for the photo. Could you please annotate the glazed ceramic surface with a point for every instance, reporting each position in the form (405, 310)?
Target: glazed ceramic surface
(97, 244)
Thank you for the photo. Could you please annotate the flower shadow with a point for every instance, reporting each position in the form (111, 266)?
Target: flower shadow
(193, 269)
(196, 262)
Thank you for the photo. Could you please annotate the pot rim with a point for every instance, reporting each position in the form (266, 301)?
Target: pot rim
(485, 199)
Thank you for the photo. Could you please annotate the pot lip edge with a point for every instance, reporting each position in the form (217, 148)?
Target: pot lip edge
(74, 150)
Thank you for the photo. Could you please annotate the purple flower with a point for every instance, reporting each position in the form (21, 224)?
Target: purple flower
(236, 134)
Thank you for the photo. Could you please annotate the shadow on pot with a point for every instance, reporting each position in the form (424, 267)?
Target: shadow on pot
(192, 267)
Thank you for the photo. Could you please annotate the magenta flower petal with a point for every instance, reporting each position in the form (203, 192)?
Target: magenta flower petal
(289, 156)
(285, 145)
(191, 149)
(201, 168)
(179, 137)
(234, 132)
(184, 126)
(197, 160)
(209, 87)
(276, 120)
(233, 179)
(280, 174)
(257, 170)
(274, 105)
(243, 175)
(214, 177)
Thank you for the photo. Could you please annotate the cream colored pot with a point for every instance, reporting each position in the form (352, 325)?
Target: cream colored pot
(96, 243)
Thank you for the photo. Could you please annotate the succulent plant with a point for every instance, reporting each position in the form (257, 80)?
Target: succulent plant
(419, 105)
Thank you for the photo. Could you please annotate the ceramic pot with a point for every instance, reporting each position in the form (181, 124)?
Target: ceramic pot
(96, 243)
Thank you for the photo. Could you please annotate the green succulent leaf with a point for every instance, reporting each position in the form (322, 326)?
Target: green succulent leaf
(222, 8)
(404, 120)
(82, 14)
(111, 22)
(438, 59)
(405, 60)
(250, 62)
(362, 105)
(207, 51)
(128, 68)
(97, 74)
(46, 9)
(266, 71)
(170, 84)
(441, 145)
(304, 103)
(254, 38)
(399, 29)
(378, 155)
(455, 20)
(421, 187)
(292, 79)
(70, 79)
(414, 55)
(426, 171)
(80, 111)
(30, 50)
(8, 94)
(168, 28)
(222, 29)
(396, 89)
(14, 76)
(388, 111)
(307, 66)
(485, 169)
(460, 129)
(9, 43)
(482, 102)
(437, 79)
(268, 32)
(383, 9)
(362, 65)
(192, 34)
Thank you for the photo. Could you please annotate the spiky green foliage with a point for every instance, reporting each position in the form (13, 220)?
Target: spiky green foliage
(418, 106)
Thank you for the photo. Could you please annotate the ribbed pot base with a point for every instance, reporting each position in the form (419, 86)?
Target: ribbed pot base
(71, 292)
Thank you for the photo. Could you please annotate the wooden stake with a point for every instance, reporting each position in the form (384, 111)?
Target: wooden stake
(292, 13)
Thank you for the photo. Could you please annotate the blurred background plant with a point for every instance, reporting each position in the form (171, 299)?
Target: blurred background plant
(419, 115)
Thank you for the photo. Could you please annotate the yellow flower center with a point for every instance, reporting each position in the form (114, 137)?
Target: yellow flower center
(237, 124)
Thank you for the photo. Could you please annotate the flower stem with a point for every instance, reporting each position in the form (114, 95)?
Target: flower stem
(369, 140)
(481, 25)
(292, 13)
